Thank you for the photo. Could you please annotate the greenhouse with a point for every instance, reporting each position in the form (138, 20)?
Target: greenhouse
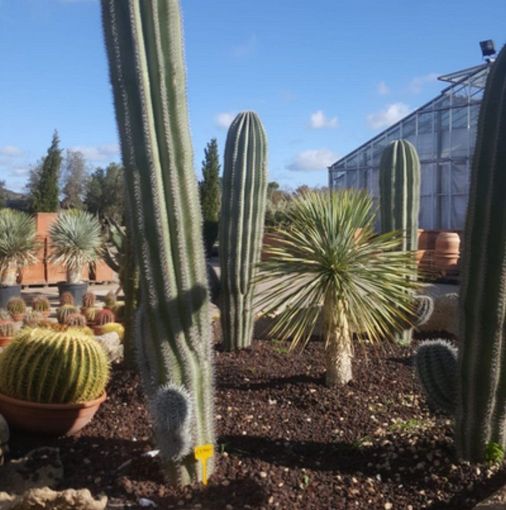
(444, 132)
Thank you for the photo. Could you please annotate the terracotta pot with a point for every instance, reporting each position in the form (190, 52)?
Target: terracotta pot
(447, 252)
(5, 341)
(48, 419)
(427, 239)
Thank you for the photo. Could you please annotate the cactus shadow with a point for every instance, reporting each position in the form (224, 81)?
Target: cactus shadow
(275, 382)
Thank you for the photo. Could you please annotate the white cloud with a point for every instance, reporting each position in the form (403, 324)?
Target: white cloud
(103, 152)
(245, 48)
(382, 88)
(318, 120)
(391, 114)
(10, 150)
(312, 160)
(224, 119)
(416, 85)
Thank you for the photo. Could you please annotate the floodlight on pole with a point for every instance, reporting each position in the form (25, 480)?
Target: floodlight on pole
(488, 50)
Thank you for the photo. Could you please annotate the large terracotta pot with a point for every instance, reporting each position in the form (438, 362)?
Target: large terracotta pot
(447, 254)
(48, 419)
(425, 262)
(427, 239)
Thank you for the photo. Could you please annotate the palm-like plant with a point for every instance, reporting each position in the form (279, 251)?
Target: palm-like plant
(330, 265)
(76, 241)
(17, 244)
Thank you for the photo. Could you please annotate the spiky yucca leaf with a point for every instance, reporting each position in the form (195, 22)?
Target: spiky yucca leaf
(17, 243)
(330, 263)
(76, 240)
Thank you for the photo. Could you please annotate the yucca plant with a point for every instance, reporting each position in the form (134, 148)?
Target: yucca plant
(76, 241)
(17, 244)
(330, 265)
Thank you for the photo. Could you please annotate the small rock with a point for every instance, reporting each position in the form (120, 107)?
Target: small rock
(388, 506)
(45, 498)
(263, 474)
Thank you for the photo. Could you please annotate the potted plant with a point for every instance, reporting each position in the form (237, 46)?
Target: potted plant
(76, 241)
(17, 308)
(41, 304)
(56, 398)
(6, 332)
(17, 249)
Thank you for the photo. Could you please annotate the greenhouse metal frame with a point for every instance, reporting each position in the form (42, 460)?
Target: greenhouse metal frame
(444, 133)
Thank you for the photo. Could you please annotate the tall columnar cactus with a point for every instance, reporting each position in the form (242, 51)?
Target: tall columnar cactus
(241, 226)
(46, 366)
(145, 51)
(399, 186)
(481, 405)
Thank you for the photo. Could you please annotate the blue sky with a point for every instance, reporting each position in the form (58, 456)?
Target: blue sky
(324, 75)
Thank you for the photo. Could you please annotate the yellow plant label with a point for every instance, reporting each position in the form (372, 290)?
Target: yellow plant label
(202, 454)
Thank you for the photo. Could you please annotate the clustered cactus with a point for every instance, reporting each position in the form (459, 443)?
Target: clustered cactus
(480, 374)
(241, 226)
(144, 47)
(64, 367)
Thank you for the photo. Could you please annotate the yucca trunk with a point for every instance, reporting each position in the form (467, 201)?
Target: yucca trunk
(338, 349)
(74, 275)
(8, 274)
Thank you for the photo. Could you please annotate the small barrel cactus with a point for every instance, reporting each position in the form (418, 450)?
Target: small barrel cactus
(16, 306)
(436, 368)
(6, 328)
(76, 320)
(66, 298)
(104, 316)
(90, 314)
(41, 304)
(46, 366)
(33, 319)
(89, 300)
(64, 311)
(113, 327)
(110, 300)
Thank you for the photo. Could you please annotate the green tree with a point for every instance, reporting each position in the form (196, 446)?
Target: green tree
(210, 194)
(105, 192)
(44, 196)
(3, 194)
(74, 180)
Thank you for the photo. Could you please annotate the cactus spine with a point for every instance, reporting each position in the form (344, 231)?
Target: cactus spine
(436, 368)
(399, 185)
(145, 52)
(241, 226)
(46, 366)
(481, 404)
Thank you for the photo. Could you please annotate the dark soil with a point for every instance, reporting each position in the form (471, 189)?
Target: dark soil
(286, 441)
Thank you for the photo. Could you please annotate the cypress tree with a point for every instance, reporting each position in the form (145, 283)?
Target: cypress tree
(210, 194)
(45, 196)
